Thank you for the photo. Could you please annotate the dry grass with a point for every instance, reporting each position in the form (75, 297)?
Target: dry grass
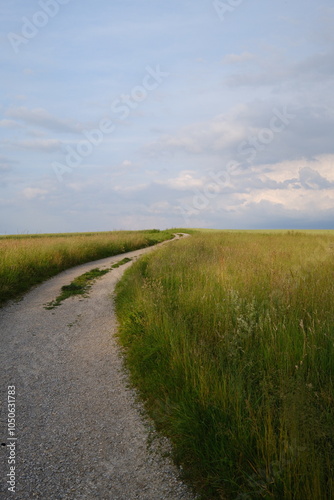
(27, 260)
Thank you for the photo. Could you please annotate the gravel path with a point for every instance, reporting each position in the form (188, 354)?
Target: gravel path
(80, 432)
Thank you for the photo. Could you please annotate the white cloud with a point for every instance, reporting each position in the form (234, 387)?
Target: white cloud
(273, 70)
(217, 134)
(296, 189)
(184, 181)
(238, 58)
(301, 201)
(10, 124)
(129, 189)
(162, 207)
(287, 170)
(6, 164)
(31, 193)
(38, 144)
(42, 118)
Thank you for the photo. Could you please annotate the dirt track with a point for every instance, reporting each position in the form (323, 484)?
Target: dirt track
(80, 433)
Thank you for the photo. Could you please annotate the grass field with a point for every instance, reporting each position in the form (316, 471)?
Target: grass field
(28, 260)
(230, 338)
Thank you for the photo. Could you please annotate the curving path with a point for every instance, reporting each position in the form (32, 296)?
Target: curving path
(80, 432)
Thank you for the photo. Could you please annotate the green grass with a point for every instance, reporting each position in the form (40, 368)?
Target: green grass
(28, 260)
(79, 286)
(83, 283)
(120, 263)
(230, 338)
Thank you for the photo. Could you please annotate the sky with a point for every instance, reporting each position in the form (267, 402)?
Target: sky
(135, 114)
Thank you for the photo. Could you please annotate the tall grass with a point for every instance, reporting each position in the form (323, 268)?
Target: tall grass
(230, 338)
(27, 260)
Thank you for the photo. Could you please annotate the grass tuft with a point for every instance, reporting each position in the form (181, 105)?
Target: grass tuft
(82, 284)
(79, 286)
(121, 263)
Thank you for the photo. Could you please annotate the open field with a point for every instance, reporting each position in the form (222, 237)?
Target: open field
(28, 260)
(230, 338)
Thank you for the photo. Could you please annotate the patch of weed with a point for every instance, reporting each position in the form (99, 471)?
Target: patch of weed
(121, 263)
(79, 286)
(82, 284)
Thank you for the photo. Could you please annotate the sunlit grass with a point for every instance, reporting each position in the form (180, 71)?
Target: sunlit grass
(27, 260)
(230, 338)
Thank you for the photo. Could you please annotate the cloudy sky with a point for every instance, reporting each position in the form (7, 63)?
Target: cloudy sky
(132, 114)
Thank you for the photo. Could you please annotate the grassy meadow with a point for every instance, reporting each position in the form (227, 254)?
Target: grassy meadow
(230, 338)
(28, 260)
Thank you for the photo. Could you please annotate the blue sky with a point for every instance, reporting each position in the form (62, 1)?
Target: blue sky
(139, 114)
